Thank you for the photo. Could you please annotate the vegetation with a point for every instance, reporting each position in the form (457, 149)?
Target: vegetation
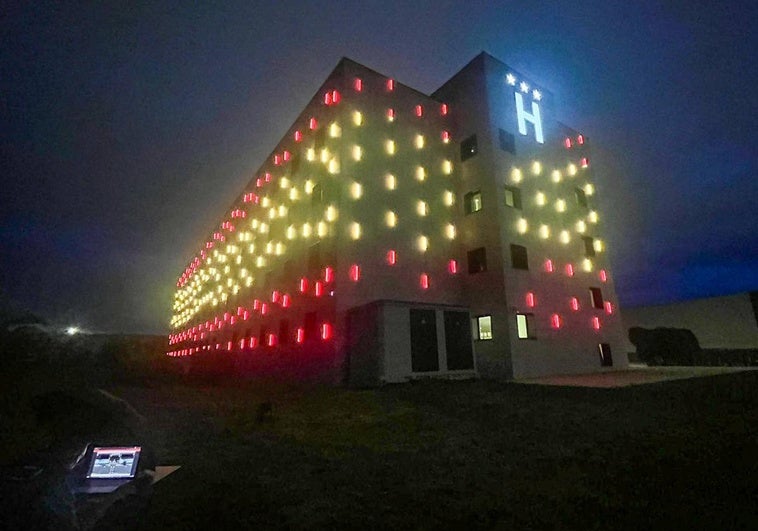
(444, 454)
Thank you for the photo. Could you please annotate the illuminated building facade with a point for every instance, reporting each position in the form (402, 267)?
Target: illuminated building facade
(392, 234)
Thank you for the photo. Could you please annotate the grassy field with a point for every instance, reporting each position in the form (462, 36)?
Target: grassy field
(442, 454)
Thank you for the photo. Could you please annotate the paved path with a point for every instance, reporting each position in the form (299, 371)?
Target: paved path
(635, 375)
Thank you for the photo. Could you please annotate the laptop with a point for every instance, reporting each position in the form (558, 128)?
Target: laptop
(109, 468)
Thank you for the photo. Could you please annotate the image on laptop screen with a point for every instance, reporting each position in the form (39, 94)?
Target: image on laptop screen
(114, 462)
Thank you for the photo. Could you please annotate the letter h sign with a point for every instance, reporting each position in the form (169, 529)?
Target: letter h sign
(533, 118)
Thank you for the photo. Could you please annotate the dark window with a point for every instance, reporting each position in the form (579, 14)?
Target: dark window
(314, 258)
(284, 331)
(311, 326)
(581, 197)
(469, 148)
(320, 137)
(519, 258)
(606, 360)
(589, 245)
(524, 325)
(317, 194)
(513, 197)
(477, 261)
(507, 141)
(472, 202)
(295, 164)
(597, 298)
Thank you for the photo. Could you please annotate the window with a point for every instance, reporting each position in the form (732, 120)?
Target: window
(311, 326)
(317, 194)
(513, 197)
(606, 360)
(524, 325)
(507, 141)
(581, 197)
(589, 245)
(295, 164)
(469, 148)
(484, 327)
(319, 138)
(284, 331)
(519, 258)
(477, 261)
(262, 335)
(314, 258)
(596, 296)
(472, 202)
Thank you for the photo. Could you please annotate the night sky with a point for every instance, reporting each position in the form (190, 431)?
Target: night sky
(126, 134)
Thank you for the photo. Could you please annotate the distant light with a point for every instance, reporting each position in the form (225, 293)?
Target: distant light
(524, 86)
(72, 330)
(510, 79)
(537, 95)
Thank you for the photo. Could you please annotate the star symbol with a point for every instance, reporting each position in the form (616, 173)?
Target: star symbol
(537, 95)
(510, 79)
(524, 86)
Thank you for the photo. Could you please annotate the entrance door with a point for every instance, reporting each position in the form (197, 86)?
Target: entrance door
(458, 341)
(424, 341)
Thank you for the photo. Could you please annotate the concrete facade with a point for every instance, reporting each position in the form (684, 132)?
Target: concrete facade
(377, 208)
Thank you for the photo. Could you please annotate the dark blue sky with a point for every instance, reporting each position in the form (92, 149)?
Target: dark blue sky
(126, 133)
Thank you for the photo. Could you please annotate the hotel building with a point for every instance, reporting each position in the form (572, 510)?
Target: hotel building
(393, 234)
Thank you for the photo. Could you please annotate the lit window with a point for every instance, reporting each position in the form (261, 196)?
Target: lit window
(390, 147)
(419, 141)
(390, 219)
(584, 162)
(443, 109)
(569, 270)
(358, 84)
(608, 307)
(516, 175)
(445, 137)
(355, 272)
(422, 243)
(452, 267)
(522, 226)
(422, 209)
(603, 275)
(524, 325)
(419, 111)
(544, 232)
(334, 130)
(448, 198)
(567, 142)
(468, 148)
(357, 153)
(574, 302)
(596, 323)
(596, 297)
(420, 173)
(519, 259)
(540, 199)
(472, 202)
(424, 281)
(391, 257)
(530, 299)
(592, 216)
(355, 230)
(356, 190)
(390, 182)
(447, 167)
(564, 237)
(390, 84)
(357, 118)
(390, 115)
(477, 260)
(484, 327)
(560, 205)
(555, 321)
(326, 331)
(549, 266)
(555, 176)
(587, 265)
(536, 168)
(450, 231)
(512, 197)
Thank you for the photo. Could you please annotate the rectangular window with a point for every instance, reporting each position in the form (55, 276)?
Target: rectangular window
(519, 259)
(484, 327)
(524, 325)
(477, 261)
(513, 197)
(581, 197)
(472, 202)
(284, 331)
(507, 141)
(606, 360)
(469, 148)
(596, 296)
(311, 326)
(589, 245)
(317, 194)
(314, 258)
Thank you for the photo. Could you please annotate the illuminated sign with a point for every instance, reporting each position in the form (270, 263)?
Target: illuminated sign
(522, 115)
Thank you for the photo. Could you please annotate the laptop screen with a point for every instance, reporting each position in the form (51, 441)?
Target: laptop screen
(115, 462)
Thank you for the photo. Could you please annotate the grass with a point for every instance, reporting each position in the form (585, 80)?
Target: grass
(440, 454)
